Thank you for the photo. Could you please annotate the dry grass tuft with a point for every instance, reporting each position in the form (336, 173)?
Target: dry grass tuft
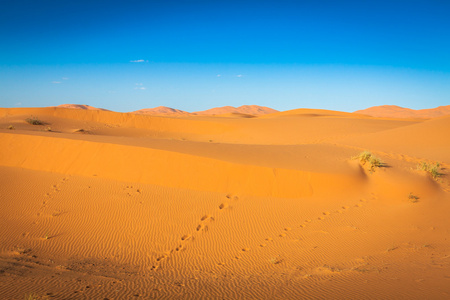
(367, 157)
(433, 169)
(34, 121)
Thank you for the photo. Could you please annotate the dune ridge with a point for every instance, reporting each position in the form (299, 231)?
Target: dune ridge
(98, 204)
(394, 111)
(80, 106)
(160, 110)
(244, 109)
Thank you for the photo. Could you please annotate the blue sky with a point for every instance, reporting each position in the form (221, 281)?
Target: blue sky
(194, 55)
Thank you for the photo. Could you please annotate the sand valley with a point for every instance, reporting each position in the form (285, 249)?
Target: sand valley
(232, 205)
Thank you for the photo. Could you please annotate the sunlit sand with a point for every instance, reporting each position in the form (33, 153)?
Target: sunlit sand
(232, 203)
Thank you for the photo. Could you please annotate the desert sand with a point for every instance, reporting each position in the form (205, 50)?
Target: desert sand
(394, 111)
(104, 205)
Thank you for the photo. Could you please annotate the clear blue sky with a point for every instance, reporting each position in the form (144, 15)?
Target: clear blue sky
(194, 55)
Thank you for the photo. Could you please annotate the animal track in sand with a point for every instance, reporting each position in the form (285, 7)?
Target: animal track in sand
(55, 188)
(321, 217)
(231, 197)
(132, 191)
(223, 205)
(186, 237)
(161, 257)
(207, 217)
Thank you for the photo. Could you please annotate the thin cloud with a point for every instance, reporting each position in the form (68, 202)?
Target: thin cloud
(240, 75)
(218, 75)
(140, 88)
(56, 82)
(138, 61)
(65, 78)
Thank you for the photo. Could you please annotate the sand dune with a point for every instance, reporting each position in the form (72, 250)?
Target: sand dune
(393, 111)
(244, 109)
(79, 106)
(160, 110)
(104, 205)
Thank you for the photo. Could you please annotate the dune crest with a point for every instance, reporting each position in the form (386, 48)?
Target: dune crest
(106, 205)
(244, 109)
(80, 106)
(160, 110)
(393, 111)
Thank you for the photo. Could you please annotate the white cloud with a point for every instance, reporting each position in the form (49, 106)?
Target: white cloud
(56, 82)
(218, 75)
(65, 78)
(138, 83)
(140, 88)
(138, 61)
(18, 103)
(239, 75)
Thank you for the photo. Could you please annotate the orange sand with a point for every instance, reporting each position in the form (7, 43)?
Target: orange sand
(393, 111)
(104, 205)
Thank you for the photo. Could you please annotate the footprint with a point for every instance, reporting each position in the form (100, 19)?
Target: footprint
(202, 227)
(161, 257)
(223, 205)
(235, 198)
(154, 268)
(282, 235)
(345, 207)
(246, 249)
(307, 221)
(186, 237)
(326, 213)
(321, 218)
(229, 196)
(358, 205)
(287, 228)
(262, 245)
(207, 217)
(269, 239)
(179, 248)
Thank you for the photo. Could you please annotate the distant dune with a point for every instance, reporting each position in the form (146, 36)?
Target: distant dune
(80, 106)
(244, 109)
(393, 111)
(160, 110)
(106, 205)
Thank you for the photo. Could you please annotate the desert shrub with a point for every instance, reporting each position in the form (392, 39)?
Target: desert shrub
(34, 121)
(413, 198)
(367, 157)
(10, 127)
(432, 169)
(30, 297)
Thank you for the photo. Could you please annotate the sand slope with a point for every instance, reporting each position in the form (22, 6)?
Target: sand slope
(214, 207)
(79, 106)
(393, 111)
(244, 109)
(160, 110)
